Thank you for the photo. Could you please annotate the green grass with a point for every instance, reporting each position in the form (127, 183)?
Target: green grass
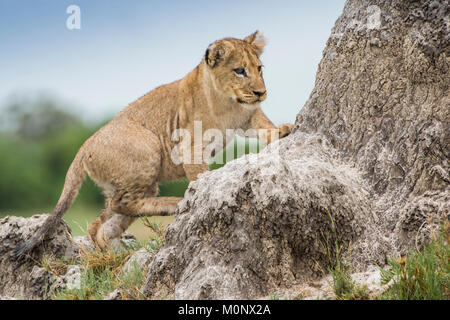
(345, 288)
(274, 297)
(342, 284)
(94, 286)
(421, 275)
(103, 270)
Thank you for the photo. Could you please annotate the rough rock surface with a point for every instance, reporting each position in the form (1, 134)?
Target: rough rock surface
(29, 280)
(140, 259)
(84, 242)
(115, 295)
(260, 211)
(323, 289)
(72, 277)
(366, 166)
(382, 100)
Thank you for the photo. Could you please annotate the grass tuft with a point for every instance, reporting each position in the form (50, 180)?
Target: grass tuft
(103, 270)
(57, 266)
(421, 275)
(343, 285)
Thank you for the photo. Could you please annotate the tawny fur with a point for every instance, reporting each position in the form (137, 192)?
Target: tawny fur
(131, 154)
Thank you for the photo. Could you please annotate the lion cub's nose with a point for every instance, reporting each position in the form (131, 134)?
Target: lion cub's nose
(259, 93)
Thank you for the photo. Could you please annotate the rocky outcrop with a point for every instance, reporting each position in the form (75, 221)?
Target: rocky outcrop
(262, 222)
(366, 168)
(382, 100)
(28, 279)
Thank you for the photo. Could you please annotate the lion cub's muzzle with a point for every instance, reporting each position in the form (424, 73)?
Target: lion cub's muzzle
(254, 97)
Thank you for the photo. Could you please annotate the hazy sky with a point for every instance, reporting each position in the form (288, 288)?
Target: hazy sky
(126, 48)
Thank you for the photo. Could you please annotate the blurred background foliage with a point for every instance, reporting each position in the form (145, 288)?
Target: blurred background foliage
(39, 137)
(38, 141)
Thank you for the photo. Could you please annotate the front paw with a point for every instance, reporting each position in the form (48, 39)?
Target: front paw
(285, 129)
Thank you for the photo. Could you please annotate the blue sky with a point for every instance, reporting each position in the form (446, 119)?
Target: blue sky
(126, 48)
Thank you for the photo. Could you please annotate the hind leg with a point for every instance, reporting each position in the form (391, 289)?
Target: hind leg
(108, 226)
(106, 230)
(123, 210)
(143, 201)
(94, 227)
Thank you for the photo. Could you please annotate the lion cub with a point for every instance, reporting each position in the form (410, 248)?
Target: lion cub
(131, 154)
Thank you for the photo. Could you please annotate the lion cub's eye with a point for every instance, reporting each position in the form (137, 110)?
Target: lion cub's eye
(259, 68)
(240, 71)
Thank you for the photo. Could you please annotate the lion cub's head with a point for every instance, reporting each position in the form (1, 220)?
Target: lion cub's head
(236, 69)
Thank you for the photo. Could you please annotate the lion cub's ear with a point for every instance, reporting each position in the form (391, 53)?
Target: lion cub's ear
(258, 40)
(218, 52)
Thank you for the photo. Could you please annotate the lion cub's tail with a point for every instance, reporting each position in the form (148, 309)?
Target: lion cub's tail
(74, 179)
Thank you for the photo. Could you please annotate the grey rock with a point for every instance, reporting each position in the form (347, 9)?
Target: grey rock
(73, 276)
(140, 259)
(323, 288)
(371, 278)
(258, 223)
(115, 295)
(370, 148)
(28, 280)
(84, 242)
